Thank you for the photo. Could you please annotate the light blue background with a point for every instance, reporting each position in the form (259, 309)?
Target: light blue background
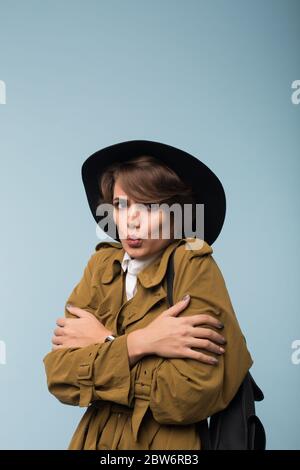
(211, 77)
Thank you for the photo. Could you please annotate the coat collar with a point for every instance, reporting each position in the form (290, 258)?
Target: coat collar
(150, 276)
(137, 265)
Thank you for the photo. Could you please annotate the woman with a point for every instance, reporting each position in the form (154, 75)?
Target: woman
(147, 372)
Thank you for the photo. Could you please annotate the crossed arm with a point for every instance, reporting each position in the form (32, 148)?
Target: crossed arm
(82, 368)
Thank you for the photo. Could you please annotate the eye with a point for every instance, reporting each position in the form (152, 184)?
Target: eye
(153, 206)
(120, 204)
(150, 206)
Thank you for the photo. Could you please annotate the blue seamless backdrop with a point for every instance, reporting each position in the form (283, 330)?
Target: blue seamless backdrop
(211, 77)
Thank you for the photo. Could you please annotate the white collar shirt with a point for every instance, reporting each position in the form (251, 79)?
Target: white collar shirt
(133, 267)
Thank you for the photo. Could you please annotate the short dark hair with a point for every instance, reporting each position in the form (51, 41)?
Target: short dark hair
(146, 179)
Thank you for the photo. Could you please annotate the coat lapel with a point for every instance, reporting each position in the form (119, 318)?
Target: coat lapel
(150, 286)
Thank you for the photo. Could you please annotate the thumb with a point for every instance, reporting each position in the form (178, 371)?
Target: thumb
(179, 306)
(78, 312)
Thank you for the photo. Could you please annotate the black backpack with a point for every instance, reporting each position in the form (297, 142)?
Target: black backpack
(236, 427)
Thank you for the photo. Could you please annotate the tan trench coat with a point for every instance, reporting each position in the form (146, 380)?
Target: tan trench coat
(156, 403)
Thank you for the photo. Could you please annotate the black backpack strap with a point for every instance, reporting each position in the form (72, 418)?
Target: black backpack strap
(202, 425)
(204, 435)
(170, 279)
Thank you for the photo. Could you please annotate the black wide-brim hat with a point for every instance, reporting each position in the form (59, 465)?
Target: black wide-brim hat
(207, 188)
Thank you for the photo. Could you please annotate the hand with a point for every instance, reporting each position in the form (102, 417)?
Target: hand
(168, 336)
(78, 332)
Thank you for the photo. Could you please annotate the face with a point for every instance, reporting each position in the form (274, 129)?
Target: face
(139, 221)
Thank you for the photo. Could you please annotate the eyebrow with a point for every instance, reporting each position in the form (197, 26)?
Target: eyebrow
(117, 198)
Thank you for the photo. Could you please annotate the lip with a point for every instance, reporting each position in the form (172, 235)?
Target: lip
(134, 242)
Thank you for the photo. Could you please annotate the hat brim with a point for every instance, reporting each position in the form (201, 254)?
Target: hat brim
(206, 185)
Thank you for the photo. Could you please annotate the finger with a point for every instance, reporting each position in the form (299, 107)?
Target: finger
(61, 321)
(207, 345)
(58, 346)
(57, 339)
(79, 312)
(59, 331)
(178, 307)
(199, 332)
(204, 319)
(201, 357)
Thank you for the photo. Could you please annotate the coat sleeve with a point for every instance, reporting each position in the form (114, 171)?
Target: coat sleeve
(185, 391)
(78, 376)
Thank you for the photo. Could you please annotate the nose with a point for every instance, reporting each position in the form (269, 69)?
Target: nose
(132, 224)
(133, 217)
